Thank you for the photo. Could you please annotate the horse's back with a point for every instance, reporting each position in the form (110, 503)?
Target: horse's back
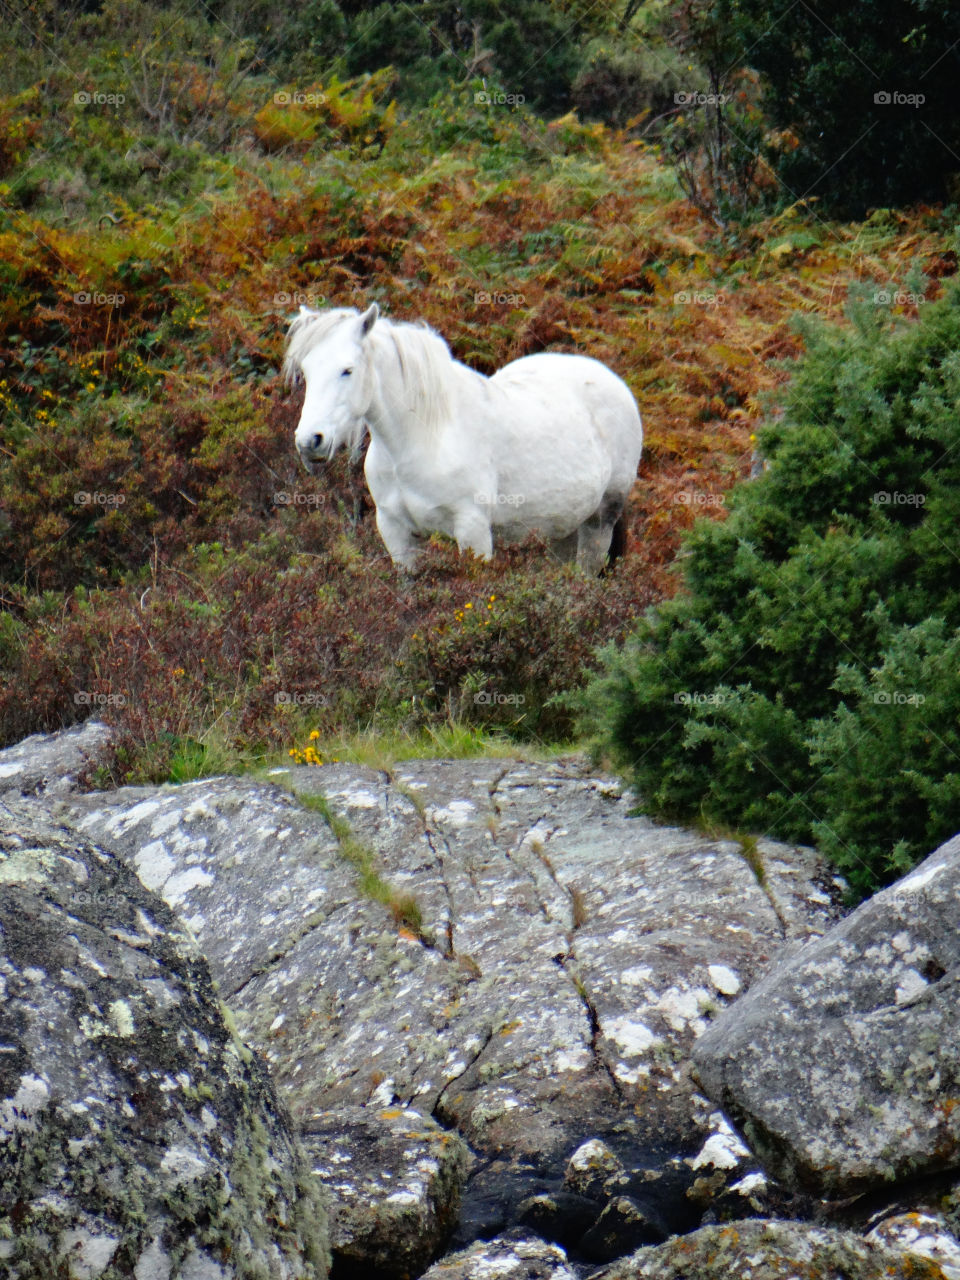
(560, 385)
(548, 372)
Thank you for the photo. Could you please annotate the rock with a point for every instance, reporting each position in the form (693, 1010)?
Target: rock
(495, 1192)
(562, 1217)
(761, 1250)
(50, 762)
(589, 1168)
(138, 1136)
(393, 1178)
(514, 1256)
(923, 1233)
(730, 1185)
(842, 1066)
(625, 1223)
(504, 947)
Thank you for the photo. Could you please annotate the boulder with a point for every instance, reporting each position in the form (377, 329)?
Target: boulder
(504, 947)
(138, 1136)
(51, 762)
(764, 1250)
(842, 1065)
(394, 1179)
(925, 1233)
(513, 1256)
(561, 1216)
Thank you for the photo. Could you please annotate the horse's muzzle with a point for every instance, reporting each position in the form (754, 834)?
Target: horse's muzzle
(314, 454)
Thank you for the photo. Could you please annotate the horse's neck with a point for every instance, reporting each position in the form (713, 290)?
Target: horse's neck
(397, 425)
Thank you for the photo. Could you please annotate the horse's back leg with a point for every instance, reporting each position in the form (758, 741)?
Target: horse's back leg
(618, 541)
(597, 536)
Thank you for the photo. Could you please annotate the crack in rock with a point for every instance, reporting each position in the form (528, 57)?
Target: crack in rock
(289, 945)
(437, 1111)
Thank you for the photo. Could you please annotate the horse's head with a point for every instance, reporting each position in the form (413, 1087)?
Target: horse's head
(331, 351)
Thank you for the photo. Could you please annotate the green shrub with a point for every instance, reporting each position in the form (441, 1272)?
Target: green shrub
(618, 80)
(535, 49)
(387, 35)
(750, 698)
(889, 755)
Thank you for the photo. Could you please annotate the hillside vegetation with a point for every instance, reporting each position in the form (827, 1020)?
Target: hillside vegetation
(170, 195)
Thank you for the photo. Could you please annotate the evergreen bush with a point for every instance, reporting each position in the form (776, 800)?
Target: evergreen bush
(805, 680)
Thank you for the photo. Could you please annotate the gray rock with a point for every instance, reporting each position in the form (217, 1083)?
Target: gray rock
(589, 1168)
(924, 1233)
(771, 1251)
(842, 1066)
(139, 1136)
(560, 1216)
(625, 1223)
(562, 957)
(393, 1178)
(513, 1256)
(50, 762)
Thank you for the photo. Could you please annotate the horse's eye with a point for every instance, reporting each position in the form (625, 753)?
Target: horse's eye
(346, 373)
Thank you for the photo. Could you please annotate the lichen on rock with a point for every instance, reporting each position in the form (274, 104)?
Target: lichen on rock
(139, 1137)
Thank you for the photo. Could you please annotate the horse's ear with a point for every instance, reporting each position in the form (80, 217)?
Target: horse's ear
(369, 319)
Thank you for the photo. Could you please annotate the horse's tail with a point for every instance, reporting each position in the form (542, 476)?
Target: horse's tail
(618, 541)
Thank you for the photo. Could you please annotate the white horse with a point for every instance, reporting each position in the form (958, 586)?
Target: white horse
(549, 444)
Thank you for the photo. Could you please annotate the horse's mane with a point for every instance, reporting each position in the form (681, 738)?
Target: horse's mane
(424, 359)
(305, 331)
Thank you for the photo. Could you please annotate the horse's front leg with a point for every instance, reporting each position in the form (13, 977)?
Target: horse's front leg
(400, 539)
(471, 528)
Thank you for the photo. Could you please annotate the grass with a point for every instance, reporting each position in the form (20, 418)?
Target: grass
(384, 749)
(748, 845)
(371, 884)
